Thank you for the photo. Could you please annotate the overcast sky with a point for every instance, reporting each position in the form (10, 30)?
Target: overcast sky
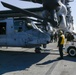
(23, 4)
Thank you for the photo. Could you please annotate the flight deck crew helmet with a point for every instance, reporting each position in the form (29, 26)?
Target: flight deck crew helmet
(60, 32)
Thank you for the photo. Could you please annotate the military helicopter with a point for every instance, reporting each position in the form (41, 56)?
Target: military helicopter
(21, 31)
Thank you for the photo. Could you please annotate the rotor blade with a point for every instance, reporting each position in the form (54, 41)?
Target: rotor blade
(11, 13)
(21, 10)
(35, 1)
(35, 20)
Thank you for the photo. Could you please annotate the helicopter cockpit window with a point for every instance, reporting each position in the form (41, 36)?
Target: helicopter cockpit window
(22, 26)
(2, 28)
(19, 26)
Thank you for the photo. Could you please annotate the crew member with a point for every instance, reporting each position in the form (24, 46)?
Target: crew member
(61, 43)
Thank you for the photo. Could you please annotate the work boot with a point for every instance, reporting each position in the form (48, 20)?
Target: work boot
(60, 58)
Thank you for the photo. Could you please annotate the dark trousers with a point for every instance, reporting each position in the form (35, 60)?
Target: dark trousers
(61, 51)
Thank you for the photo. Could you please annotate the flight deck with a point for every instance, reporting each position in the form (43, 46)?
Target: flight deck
(24, 61)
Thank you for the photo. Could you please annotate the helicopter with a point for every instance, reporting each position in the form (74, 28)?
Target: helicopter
(22, 31)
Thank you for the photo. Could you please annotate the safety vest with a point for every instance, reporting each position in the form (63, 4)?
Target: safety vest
(63, 39)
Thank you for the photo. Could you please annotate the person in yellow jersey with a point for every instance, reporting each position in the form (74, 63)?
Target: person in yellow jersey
(61, 43)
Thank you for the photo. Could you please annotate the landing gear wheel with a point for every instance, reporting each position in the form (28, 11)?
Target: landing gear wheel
(37, 50)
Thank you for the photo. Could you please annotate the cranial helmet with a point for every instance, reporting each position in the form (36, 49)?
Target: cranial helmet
(61, 32)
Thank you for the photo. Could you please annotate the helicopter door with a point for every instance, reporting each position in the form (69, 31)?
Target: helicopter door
(2, 33)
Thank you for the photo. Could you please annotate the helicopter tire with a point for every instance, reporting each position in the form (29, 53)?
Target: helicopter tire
(37, 50)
